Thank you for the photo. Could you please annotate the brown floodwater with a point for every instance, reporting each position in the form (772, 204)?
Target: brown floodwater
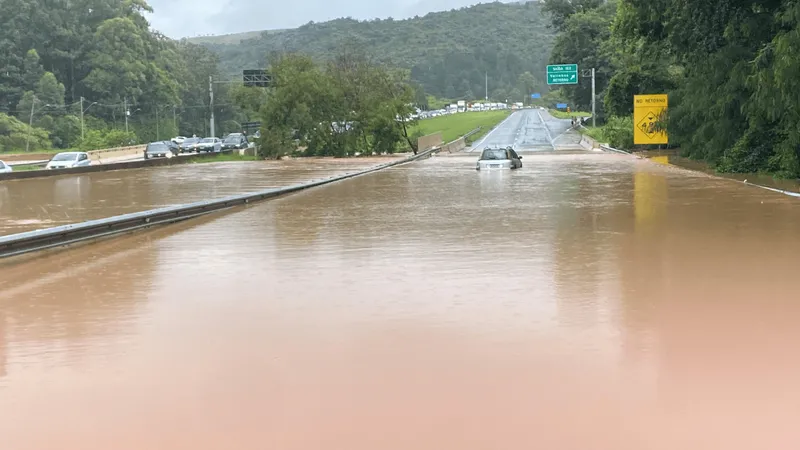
(30, 204)
(583, 302)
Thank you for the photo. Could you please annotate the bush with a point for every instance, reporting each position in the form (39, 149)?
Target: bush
(99, 139)
(14, 135)
(619, 132)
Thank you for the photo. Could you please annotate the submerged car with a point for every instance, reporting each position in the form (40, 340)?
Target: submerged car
(499, 158)
(67, 160)
(160, 149)
(5, 168)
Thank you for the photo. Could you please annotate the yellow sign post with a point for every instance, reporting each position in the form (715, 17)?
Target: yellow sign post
(647, 110)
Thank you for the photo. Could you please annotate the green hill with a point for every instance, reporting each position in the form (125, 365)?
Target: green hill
(448, 52)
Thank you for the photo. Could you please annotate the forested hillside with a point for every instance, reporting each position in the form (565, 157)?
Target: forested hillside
(730, 68)
(52, 54)
(448, 53)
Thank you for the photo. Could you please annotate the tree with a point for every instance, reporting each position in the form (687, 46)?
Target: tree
(582, 41)
(347, 106)
(561, 10)
(119, 62)
(528, 84)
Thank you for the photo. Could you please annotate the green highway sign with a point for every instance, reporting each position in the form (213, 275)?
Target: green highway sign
(562, 74)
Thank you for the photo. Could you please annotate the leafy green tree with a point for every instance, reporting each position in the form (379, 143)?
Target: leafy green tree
(582, 41)
(561, 10)
(15, 135)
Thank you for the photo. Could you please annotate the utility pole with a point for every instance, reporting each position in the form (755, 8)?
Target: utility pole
(211, 96)
(82, 118)
(126, 114)
(175, 121)
(486, 74)
(30, 125)
(594, 119)
(158, 135)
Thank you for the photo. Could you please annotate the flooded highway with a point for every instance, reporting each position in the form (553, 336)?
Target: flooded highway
(530, 130)
(36, 203)
(586, 301)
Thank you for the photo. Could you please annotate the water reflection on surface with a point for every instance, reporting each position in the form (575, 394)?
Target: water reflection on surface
(35, 203)
(583, 302)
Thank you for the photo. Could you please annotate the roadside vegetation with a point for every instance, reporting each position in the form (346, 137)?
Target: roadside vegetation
(56, 53)
(558, 114)
(728, 68)
(349, 105)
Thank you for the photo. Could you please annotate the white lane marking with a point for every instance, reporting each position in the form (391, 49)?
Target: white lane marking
(546, 130)
(476, 146)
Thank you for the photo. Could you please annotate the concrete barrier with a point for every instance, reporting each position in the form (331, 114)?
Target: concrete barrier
(430, 141)
(454, 146)
(49, 238)
(111, 153)
(588, 143)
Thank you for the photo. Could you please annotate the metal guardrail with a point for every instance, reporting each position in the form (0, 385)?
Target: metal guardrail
(476, 130)
(28, 163)
(32, 241)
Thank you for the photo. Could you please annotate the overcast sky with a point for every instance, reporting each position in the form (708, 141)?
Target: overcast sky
(184, 18)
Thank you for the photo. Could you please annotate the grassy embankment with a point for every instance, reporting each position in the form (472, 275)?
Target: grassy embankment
(454, 126)
(224, 157)
(568, 115)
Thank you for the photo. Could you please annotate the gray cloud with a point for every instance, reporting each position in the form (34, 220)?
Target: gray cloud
(184, 18)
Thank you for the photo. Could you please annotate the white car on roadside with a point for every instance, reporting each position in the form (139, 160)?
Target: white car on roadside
(5, 168)
(68, 160)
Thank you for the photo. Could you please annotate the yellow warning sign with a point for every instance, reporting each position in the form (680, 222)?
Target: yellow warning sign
(647, 111)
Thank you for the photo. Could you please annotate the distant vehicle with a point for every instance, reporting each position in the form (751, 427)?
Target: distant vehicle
(235, 141)
(5, 168)
(160, 149)
(178, 139)
(209, 144)
(499, 158)
(176, 149)
(189, 144)
(68, 160)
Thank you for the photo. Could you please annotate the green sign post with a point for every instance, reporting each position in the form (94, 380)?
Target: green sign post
(562, 74)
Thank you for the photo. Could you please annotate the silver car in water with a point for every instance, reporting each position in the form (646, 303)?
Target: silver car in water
(499, 158)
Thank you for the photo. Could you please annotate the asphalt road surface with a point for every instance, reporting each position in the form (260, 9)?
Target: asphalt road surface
(531, 130)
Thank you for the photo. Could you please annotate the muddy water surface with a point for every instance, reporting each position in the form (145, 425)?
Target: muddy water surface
(583, 302)
(30, 204)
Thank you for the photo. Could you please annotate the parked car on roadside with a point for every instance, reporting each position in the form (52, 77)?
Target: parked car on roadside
(189, 145)
(209, 144)
(176, 149)
(499, 158)
(67, 160)
(160, 149)
(235, 141)
(5, 168)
